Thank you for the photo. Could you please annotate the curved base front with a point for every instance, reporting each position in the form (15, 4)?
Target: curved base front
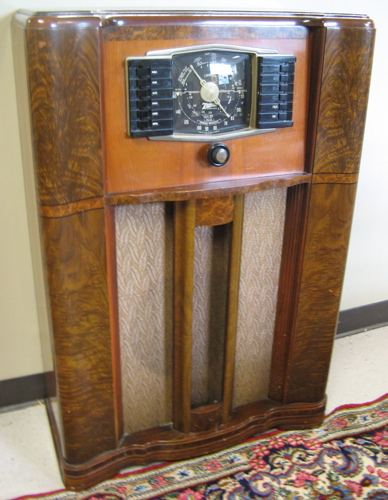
(164, 443)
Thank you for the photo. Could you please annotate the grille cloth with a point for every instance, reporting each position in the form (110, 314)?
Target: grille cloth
(144, 263)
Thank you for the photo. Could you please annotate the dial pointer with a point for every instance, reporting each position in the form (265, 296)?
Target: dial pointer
(218, 102)
(201, 81)
(209, 92)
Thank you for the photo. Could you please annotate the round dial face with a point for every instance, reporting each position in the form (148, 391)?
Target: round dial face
(211, 91)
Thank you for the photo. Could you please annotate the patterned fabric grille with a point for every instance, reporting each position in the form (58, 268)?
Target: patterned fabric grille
(144, 263)
(210, 281)
(264, 217)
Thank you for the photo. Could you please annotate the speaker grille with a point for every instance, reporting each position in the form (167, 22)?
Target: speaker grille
(144, 270)
(264, 218)
(209, 313)
(144, 267)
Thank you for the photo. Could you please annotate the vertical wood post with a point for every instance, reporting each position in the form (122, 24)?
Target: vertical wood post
(184, 225)
(232, 305)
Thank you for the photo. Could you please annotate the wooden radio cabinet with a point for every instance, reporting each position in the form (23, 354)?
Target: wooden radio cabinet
(192, 177)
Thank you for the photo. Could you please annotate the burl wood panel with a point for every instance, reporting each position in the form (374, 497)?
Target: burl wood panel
(210, 190)
(75, 257)
(140, 164)
(65, 112)
(343, 101)
(327, 239)
(22, 93)
(214, 211)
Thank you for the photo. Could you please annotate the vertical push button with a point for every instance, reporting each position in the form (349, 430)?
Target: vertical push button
(275, 91)
(150, 97)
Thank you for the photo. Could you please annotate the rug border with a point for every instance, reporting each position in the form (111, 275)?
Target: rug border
(350, 406)
(152, 467)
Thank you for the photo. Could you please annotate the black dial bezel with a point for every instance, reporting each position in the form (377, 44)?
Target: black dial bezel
(154, 118)
(192, 71)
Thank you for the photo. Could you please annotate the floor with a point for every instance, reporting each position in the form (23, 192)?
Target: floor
(358, 374)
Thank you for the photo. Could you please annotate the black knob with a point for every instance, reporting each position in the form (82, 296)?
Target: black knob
(218, 154)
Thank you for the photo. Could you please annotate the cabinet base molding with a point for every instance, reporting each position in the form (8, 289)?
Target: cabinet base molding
(163, 443)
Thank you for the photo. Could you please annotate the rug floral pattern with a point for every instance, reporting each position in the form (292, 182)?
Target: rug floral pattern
(346, 458)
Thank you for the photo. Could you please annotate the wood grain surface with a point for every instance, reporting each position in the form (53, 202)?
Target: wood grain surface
(210, 190)
(214, 211)
(343, 100)
(276, 24)
(65, 112)
(232, 306)
(139, 164)
(166, 444)
(184, 223)
(75, 258)
(327, 239)
(206, 418)
(289, 286)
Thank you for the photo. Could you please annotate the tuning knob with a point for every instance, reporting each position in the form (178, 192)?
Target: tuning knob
(218, 154)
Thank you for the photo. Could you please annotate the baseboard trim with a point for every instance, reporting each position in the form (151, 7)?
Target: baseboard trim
(362, 319)
(17, 391)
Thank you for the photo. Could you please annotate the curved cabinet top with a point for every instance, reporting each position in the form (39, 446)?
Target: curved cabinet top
(105, 18)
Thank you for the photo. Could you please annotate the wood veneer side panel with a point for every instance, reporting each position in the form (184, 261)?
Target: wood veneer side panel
(34, 226)
(327, 239)
(64, 78)
(343, 100)
(76, 261)
(19, 48)
(317, 52)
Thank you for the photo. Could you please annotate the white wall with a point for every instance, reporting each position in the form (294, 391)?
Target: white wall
(366, 278)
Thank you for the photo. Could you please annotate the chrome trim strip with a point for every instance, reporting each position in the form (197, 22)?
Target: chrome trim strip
(211, 137)
(210, 46)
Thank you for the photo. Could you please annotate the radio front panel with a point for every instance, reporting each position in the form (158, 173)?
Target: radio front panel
(179, 155)
(195, 182)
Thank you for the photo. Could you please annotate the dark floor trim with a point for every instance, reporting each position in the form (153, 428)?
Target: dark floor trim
(16, 391)
(362, 319)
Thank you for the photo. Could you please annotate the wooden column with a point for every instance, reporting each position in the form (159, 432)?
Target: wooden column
(184, 224)
(300, 370)
(232, 306)
(64, 105)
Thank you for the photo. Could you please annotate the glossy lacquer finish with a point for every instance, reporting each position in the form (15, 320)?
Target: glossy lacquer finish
(70, 76)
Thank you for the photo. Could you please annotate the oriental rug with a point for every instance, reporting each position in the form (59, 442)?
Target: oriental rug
(346, 458)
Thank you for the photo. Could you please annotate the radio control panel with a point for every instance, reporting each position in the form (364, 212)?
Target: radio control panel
(212, 92)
